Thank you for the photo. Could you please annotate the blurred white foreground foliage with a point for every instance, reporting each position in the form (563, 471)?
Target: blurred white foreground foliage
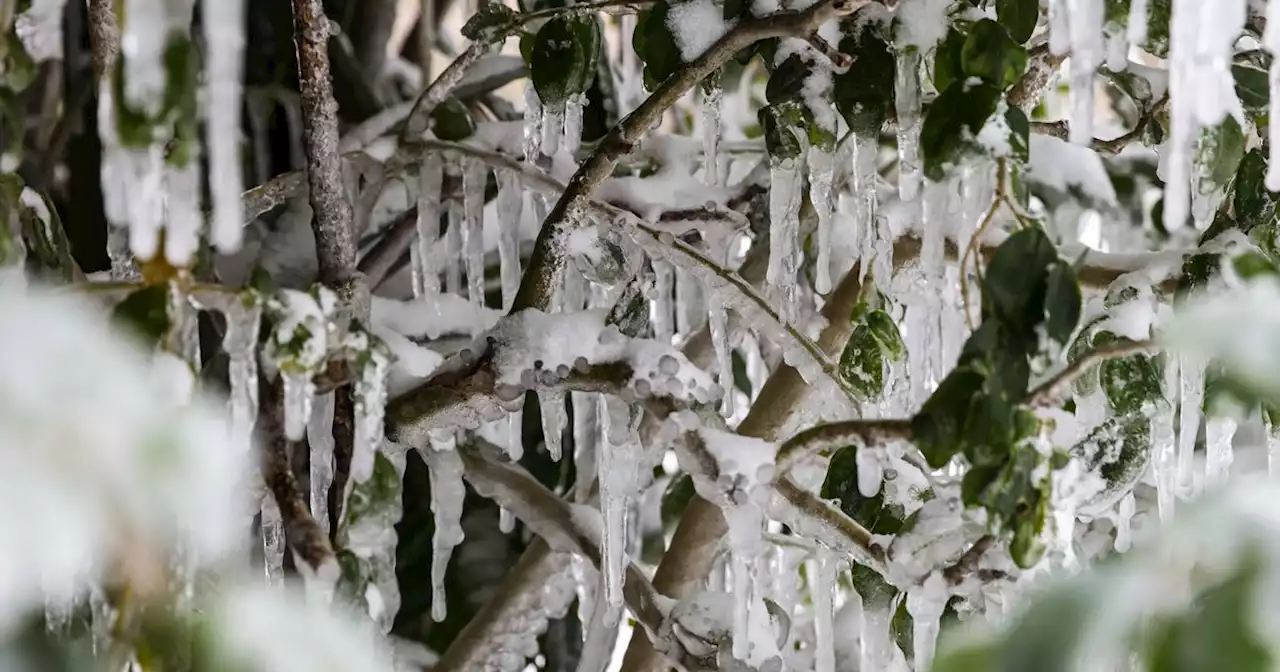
(116, 475)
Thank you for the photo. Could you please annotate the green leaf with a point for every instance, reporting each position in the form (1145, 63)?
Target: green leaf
(947, 61)
(1253, 204)
(1253, 87)
(875, 591)
(655, 45)
(676, 498)
(1019, 137)
(841, 483)
(1218, 632)
(1014, 286)
(145, 313)
(864, 93)
(783, 126)
(492, 22)
(562, 60)
(1250, 265)
(451, 121)
(991, 55)
(1221, 151)
(952, 123)
(787, 80)
(942, 420)
(1019, 17)
(1062, 302)
(381, 490)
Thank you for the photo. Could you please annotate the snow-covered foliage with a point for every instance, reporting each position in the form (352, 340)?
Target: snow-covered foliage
(803, 335)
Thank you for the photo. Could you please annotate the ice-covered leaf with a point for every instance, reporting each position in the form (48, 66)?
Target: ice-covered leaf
(1129, 382)
(1221, 150)
(1117, 452)
(1019, 17)
(1253, 204)
(992, 56)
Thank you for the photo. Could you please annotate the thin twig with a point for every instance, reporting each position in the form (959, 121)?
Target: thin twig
(416, 123)
(811, 441)
(1048, 392)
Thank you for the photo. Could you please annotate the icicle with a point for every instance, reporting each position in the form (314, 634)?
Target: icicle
(1164, 459)
(821, 174)
(1192, 377)
(552, 128)
(320, 439)
(1273, 446)
(878, 648)
(573, 109)
(586, 439)
(689, 311)
(1124, 523)
(447, 495)
(907, 102)
(719, 322)
(510, 211)
(370, 407)
(1087, 53)
(926, 603)
(506, 521)
(1059, 28)
(664, 279)
(58, 608)
(474, 180)
(1117, 50)
(870, 471)
(244, 319)
(272, 540)
(453, 251)
(532, 144)
(299, 391)
(1201, 88)
(1138, 22)
(551, 403)
(821, 574)
(745, 528)
(875, 250)
(224, 46)
(616, 469)
(784, 233)
(1271, 42)
(712, 99)
(1219, 434)
(430, 179)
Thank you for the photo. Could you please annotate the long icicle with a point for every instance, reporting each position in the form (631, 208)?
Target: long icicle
(320, 439)
(447, 495)
(474, 179)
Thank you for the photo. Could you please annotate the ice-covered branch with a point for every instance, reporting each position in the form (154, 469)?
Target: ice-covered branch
(1050, 391)
(333, 220)
(547, 263)
(566, 527)
(811, 441)
(104, 37)
(1062, 130)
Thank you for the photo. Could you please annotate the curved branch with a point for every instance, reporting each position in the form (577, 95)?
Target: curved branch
(1050, 391)
(811, 441)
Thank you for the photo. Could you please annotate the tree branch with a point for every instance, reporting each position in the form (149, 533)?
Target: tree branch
(308, 541)
(104, 38)
(547, 262)
(332, 215)
(1050, 392)
(811, 441)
